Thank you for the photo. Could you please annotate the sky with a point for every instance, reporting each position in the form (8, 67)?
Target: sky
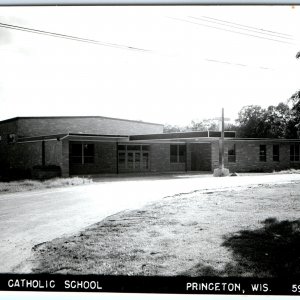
(198, 60)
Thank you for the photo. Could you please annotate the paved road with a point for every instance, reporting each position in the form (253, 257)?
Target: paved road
(30, 218)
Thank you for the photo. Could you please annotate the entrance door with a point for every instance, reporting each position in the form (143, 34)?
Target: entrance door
(133, 158)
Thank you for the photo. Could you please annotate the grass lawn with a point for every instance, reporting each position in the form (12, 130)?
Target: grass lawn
(29, 185)
(246, 231)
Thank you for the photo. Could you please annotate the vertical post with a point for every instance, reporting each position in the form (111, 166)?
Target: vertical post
(117, 144)
(221, 171)
(82, 153)
(222, 140)
(43, 154)
(186, 156)
(221, 144)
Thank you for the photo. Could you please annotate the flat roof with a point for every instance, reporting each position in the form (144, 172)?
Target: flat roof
(197, 136)
(183, 135)
(76, 117)
(264, 139)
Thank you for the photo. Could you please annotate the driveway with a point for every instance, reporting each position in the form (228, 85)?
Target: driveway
(30, 218)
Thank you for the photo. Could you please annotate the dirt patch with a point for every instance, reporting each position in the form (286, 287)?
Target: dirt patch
(224, 233)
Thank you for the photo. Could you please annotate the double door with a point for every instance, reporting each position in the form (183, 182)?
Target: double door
(133, 158)
(137, 160)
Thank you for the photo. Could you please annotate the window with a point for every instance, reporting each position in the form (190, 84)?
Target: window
(262, 153)
(122, 147)
(231, 153)
(88, 153)
(294, 152)
(134, 147)
(82, 153)
(173, 153)
(275, 152)
(177, 153)
(121, 159)
(145, 160)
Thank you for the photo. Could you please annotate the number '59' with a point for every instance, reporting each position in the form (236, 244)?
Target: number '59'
(296, 288)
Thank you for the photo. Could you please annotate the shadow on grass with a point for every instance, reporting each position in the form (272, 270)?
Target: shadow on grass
(271, 251)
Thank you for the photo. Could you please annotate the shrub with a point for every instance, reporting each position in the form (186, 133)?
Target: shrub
(46, 172)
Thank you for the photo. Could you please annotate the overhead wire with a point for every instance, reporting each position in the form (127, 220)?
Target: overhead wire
(224, 29)
(247, 26)
(241, 27)
(85, 40)
(70, 37)
(228, 30)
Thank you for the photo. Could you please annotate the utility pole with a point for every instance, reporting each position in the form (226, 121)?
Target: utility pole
(221, 144)
(221, 171)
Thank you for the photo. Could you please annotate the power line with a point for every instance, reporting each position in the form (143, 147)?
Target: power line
(226, 62)
(285, 34)
(69, 37)
(237, 32)
(240, 27)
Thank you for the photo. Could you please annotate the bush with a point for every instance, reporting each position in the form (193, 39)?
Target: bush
(46, 172)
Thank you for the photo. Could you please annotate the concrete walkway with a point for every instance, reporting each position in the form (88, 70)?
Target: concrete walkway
(30, 218)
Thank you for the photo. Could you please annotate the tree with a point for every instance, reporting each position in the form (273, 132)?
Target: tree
(231, 127)
(294, 124)
(173, 128)
(273, 122)
(250, 121)
(276, 121)
(204, 125)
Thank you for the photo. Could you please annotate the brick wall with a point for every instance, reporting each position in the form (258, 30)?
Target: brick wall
(64, 164)
(53, 153)
(200, 157)
(47, 126)
(27, 155)
(23, 156)
(247, 156)
(175, 167)
(160, 159)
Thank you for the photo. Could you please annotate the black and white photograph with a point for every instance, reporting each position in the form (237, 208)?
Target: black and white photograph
(156, 142)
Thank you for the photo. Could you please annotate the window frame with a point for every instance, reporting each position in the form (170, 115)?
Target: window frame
(295, 153)
(137, 150)
(276, 157)
(84, 159)
(263, 157)
(179, 159)
(231, 157)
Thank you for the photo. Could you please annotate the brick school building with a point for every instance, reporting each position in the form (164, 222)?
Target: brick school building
(101, 145)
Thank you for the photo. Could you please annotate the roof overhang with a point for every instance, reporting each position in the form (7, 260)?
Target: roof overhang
(74, 137)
